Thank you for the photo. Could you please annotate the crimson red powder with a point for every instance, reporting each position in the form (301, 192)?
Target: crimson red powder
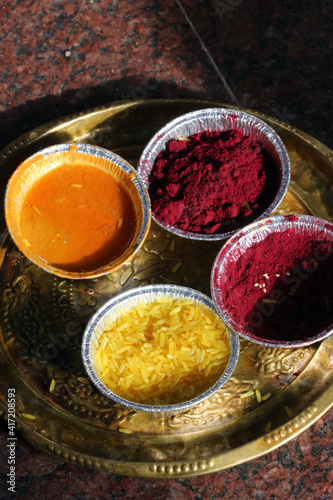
(212, 182)
(282, 287)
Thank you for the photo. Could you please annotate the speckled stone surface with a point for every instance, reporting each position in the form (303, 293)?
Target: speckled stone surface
(59, 57)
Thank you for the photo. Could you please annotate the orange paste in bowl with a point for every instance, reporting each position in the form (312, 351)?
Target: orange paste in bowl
(77, 218)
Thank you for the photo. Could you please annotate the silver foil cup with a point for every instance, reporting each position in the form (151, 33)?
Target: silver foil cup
(114, 307)
(237, 246)
(224, 120)
(34, 167)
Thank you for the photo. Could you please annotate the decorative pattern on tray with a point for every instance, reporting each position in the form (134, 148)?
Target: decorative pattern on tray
(43, 317)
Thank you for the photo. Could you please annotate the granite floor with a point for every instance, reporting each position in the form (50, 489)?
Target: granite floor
(62, 57)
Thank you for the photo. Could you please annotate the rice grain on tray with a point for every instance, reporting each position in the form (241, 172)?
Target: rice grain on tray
(163, 352)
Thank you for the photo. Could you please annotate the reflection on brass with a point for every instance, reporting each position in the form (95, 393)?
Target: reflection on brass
(43, 318)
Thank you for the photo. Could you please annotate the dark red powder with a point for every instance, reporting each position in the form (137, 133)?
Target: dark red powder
(212, 182)
(282, 287)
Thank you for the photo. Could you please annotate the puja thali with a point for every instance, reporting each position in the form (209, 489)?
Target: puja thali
(43, 317)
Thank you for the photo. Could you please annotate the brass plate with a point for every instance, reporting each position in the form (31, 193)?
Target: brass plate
(43, 318)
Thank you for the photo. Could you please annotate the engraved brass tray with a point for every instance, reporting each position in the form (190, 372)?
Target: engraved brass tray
(43, 318)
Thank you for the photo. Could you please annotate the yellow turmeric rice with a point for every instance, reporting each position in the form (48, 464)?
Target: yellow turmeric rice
(163, 352)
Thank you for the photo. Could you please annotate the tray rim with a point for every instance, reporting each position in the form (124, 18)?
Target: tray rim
(56, 124)
(179, 469)
(253, 449)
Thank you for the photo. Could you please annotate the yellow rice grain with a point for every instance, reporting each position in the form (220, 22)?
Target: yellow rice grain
(125, 431)
(162, 300)
(258, 396)
(28, 416)
(288, 411)
(187, 302)
(268, 427)
(83, 380)
(128, 381)
(172, 348)
(266, 396)
(131, 339)
(247, 394)
(162, 339)
(104, 342)
(113, 364)
(176, 267)
(207, 370)
(121, 350)
(52, 385)
(191, 314)
(165, 360)
(185, 365)
(175, 310)
(123, 327)
(197, 452)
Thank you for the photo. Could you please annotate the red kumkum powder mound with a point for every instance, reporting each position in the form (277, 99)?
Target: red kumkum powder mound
(282, 287)
(212, 182)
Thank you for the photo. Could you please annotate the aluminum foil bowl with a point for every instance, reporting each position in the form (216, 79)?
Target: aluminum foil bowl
(224, 120)
(114, 308)
(290, 311)
(34, 167)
